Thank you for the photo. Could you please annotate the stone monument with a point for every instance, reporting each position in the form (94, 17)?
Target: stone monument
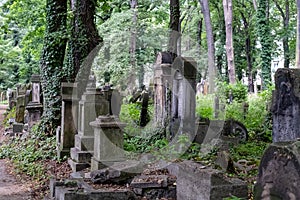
(69, 112)
(94, 102)
(35, 106)
(279, 169)
(108, 146)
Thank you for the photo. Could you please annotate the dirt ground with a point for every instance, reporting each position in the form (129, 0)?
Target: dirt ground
(10, 187)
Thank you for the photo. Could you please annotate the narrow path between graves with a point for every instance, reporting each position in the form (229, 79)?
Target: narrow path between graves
(10, 187)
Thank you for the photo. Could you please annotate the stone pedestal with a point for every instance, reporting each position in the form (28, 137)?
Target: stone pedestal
(68, 119)
(286, 105)
(35, 106)
(108, 146)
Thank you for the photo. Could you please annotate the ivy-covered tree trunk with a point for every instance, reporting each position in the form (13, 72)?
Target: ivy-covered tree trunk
(285, 14)
(263, 32)
(227, 5)
(83, 42)
(52, 63)
(210, 45)
(298, 36)
(174, 27)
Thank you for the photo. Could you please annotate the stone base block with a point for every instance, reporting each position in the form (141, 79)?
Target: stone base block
(18, 127)
(96, 164)
(194, 181)
(84, 143)
(76, 166)
(61, 153)
(81, 156)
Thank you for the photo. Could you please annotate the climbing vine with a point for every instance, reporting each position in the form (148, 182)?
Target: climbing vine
(264, 34)
(51, 63)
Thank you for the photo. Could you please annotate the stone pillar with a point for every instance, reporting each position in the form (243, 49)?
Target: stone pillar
(183, 96)
(20, 106)
(35, 106)
(108, 146)
(69, 112)
(162, 89)
(286, 105)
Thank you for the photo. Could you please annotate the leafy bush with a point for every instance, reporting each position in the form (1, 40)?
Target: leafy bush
(238, 90)
(204, 106)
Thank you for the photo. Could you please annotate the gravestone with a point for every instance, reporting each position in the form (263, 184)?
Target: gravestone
(35, 106)
(69, 112)
(93, 103)
(279, 172)
(108, 146)
(20, 106)
(196, 181)
(286, 105)
(162, 89)
(183, 96)
(279, 169)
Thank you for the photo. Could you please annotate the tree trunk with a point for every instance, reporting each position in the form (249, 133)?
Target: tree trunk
(51, 63)
(210, 45)
(248, 53)
(83, 42)
(263, 33)
(227, 5)
(174, 27)
(298, 36)
(285, 14)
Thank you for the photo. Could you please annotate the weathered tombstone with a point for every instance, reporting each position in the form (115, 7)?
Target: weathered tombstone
(69, 112)
(183, 96)
(279, 173)
(144, 111)
(279, 170)
(20, 107)
(195, 181)
(286, 105)
(93, 103)
(162, 89)
(108, 146)
(34, 107)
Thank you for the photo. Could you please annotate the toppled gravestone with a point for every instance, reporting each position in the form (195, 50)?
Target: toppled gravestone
(196, 181)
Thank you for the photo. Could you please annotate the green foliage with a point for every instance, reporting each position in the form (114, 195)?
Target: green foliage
(238, 91)
(8, 115)
(204, 106)
(27, 153)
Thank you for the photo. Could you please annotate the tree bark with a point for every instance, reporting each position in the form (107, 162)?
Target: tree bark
(210, 45)
(84, 39)
(51, 63)
(298, 36)
(227, 5)
(285, 14)
(174, 27)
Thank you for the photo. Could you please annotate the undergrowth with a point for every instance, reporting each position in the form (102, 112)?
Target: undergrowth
(26, 153)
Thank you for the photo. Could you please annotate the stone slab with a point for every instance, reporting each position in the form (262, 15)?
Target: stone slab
(84, 143)
(81, 156)
(150, 181)
(76, 166)
(18, 127)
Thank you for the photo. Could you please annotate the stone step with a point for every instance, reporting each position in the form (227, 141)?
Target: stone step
(81, 156)
(76, 166)
(84, 143)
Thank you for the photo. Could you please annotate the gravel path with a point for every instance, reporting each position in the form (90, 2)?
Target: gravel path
(10, 188)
